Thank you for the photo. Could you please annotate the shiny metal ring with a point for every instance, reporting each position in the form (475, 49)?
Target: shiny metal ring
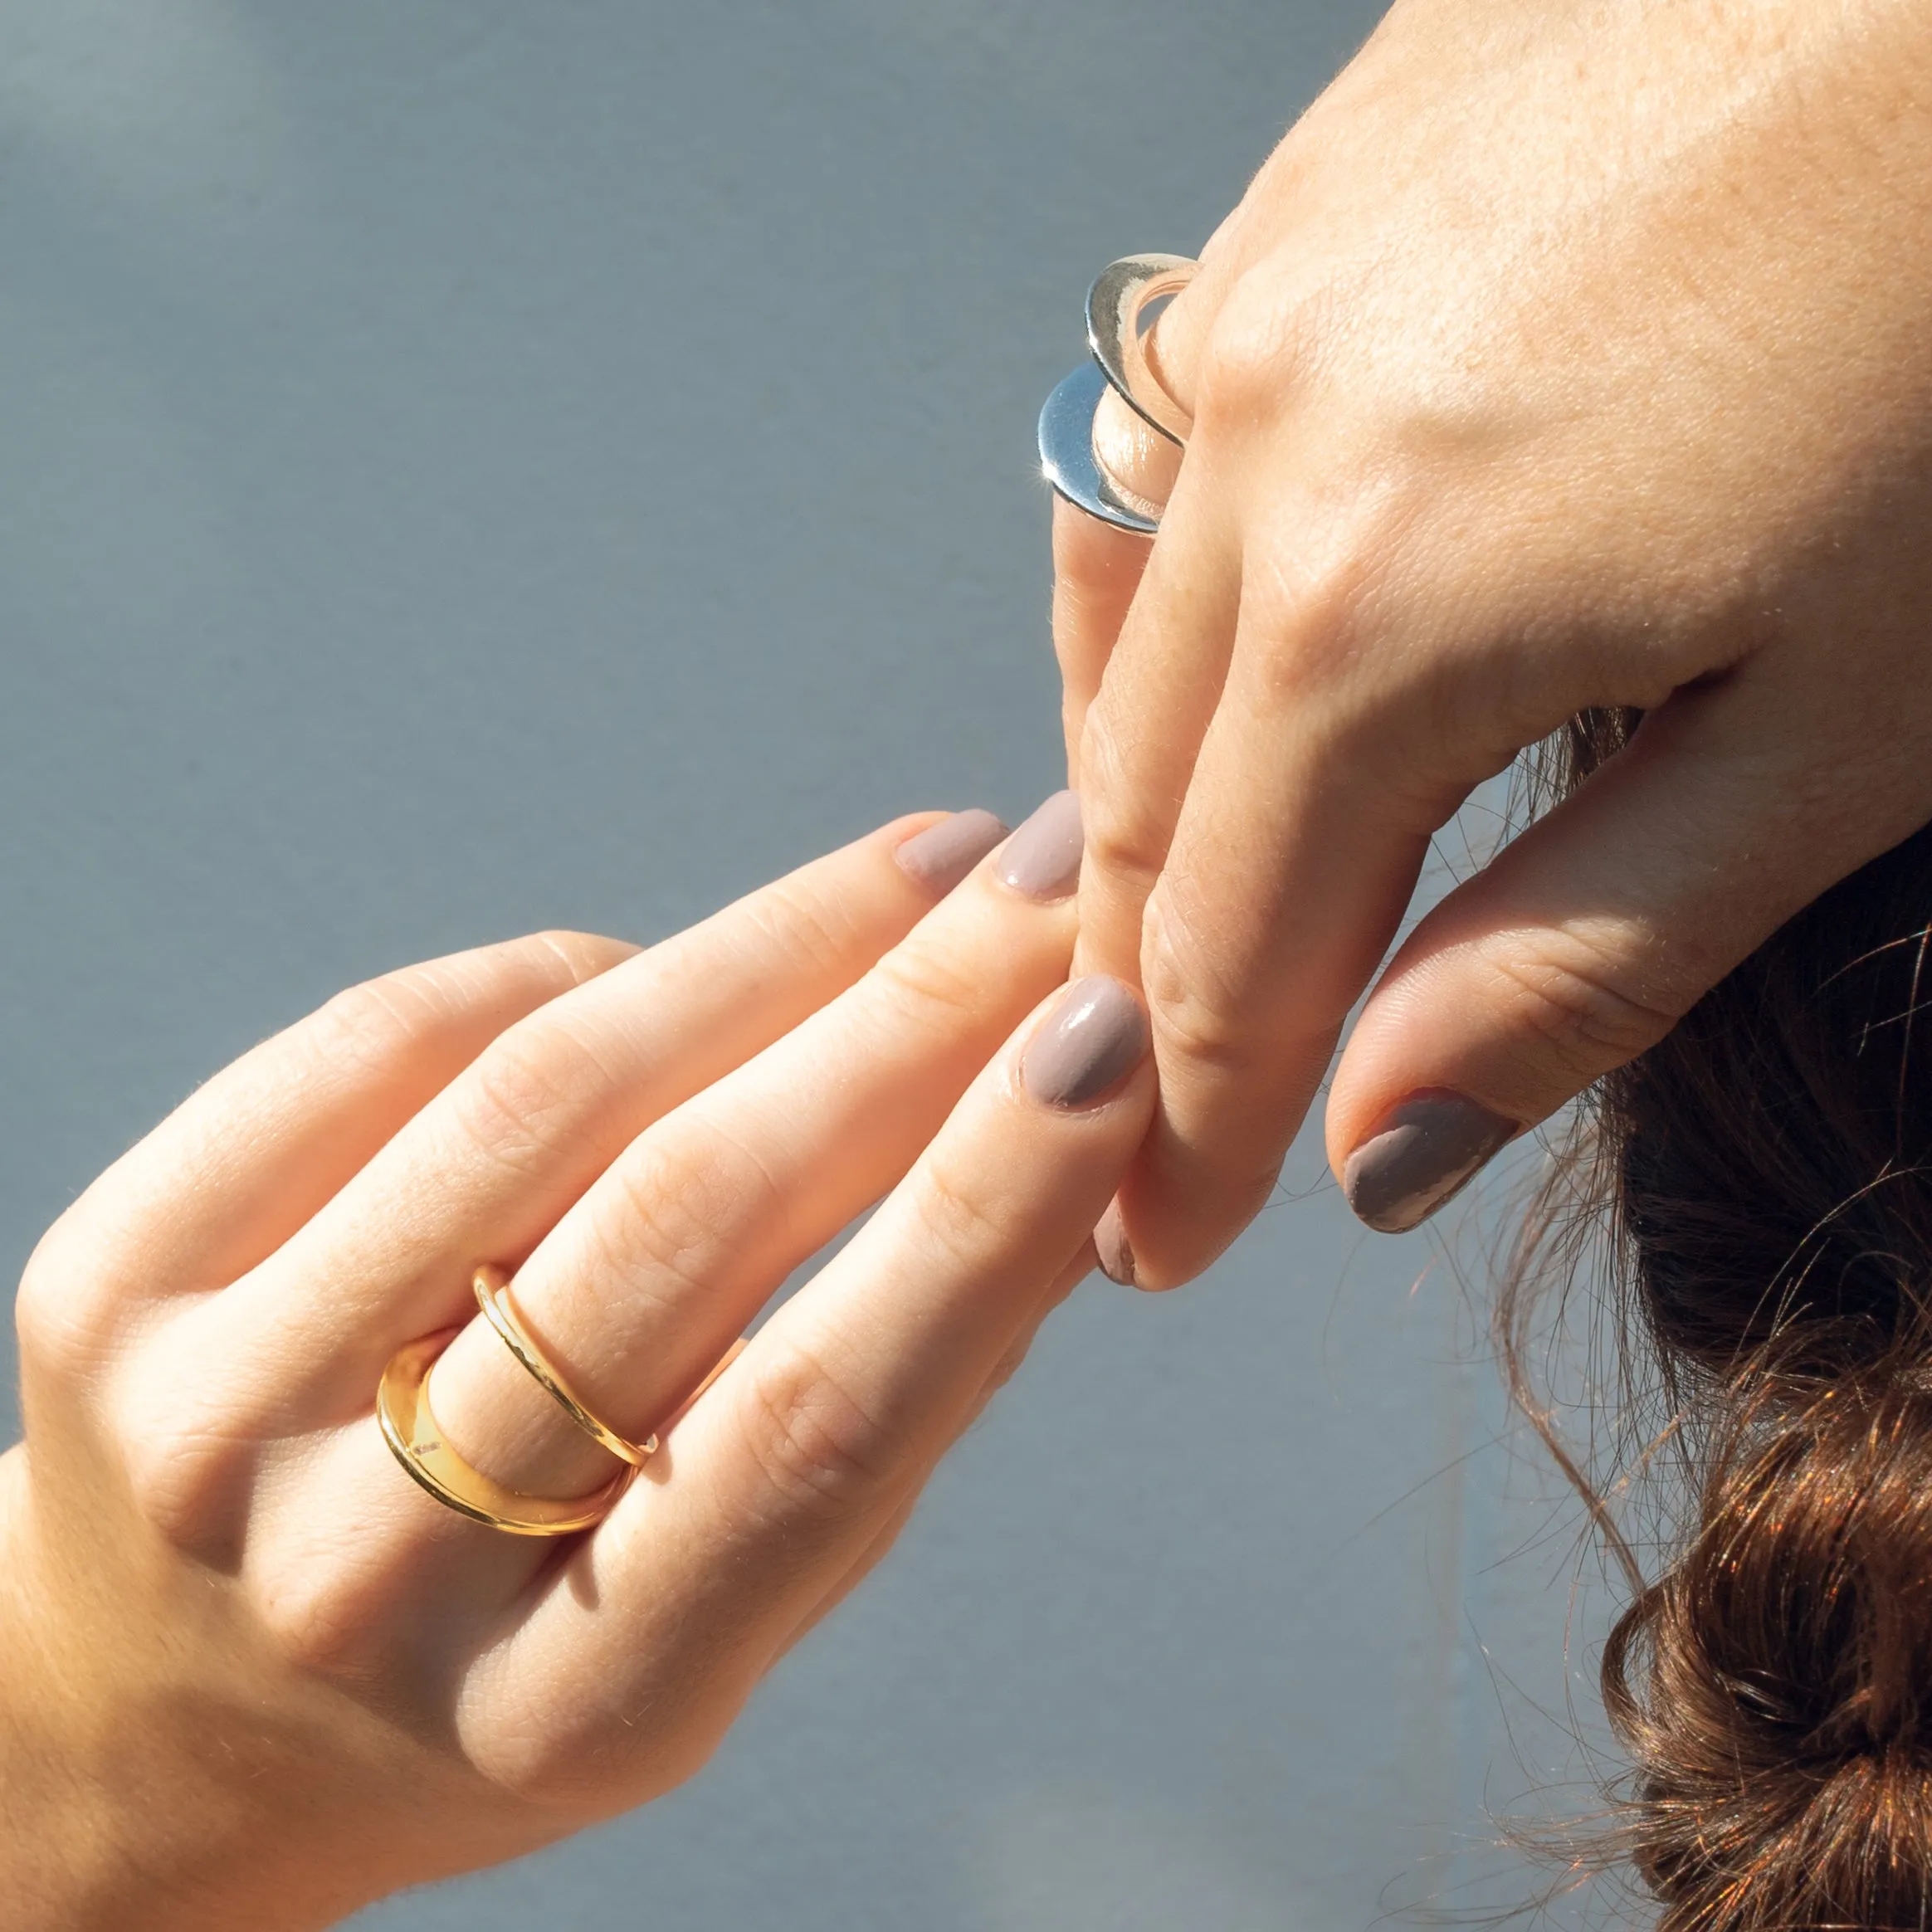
(410, 1429)
(1115, 303)
(491, 1287)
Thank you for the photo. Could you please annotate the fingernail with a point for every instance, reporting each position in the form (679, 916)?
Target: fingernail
(942, 855)
(1098, 1034)
(1041, 860)
(1116, 1257)
(1426, 1148)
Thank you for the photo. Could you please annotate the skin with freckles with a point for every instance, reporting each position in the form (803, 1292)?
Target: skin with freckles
(255, 1676)
(1564, 355)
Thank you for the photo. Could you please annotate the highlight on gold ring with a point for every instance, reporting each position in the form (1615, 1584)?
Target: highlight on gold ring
(410, 1429)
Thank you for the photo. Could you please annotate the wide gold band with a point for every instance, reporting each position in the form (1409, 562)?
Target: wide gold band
(410, 1429)
(491, 1288)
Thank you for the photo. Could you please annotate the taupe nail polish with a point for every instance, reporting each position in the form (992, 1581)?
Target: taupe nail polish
(1041, 860)
(1111, 1248)
(1427, 1148)
(1096, 1035)
(942, 855)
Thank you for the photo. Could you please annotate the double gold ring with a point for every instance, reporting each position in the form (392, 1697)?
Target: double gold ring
(409, 1426)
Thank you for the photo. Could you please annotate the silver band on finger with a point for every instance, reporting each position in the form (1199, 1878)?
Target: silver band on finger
(1115, 303)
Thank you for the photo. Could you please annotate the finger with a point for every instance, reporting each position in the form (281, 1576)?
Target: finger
(696, 1225)
(801, 1455)
(1096, 569)
(490, 1165)
(1144, 730)
(1008, 1365)
(1297, 849)
(238, 1167)
(1586, 939)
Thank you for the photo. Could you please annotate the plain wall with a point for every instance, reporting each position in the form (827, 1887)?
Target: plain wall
(474, 467)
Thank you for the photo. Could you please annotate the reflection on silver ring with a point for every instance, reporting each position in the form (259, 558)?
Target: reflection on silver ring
(1119, 295)
(1066, 453)
(1116, 303)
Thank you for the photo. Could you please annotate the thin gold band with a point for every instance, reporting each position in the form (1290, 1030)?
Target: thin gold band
(491, 1287)
(409, 1427)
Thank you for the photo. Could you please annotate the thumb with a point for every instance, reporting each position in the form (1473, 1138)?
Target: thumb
(1586, 939)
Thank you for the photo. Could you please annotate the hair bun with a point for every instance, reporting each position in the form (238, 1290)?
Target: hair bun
(1769, 1166)
(1772, 1686)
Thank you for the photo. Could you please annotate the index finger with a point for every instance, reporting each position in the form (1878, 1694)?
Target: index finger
(1096, 569)
(1295, 854)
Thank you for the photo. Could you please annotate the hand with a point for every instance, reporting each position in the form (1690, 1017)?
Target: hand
(253, 1675)
(1564, 356)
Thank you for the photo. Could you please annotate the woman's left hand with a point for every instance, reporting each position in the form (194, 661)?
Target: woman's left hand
(251, 1675)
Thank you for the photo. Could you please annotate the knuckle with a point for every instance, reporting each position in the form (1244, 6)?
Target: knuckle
(64, 1309)
(581, 956)
(380, 1020)
(374, 1023)
(316, 1623)
(188, 1474)
(1191, 1008)
(677, 1202)
(959, 1227)
(1564, 991)
(1310, 603)
(821, 1456)
(807, 929)
(1123, 838)
(1256, 351)
(527, 1091)
(919, 983)
(569, 1755)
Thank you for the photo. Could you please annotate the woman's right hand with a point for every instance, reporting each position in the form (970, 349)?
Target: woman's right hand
(255, 1676)
(1564, 356)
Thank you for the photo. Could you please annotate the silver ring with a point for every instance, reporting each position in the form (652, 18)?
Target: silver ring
(1115, 303)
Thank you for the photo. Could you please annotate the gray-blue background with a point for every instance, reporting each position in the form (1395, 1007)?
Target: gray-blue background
(472, 466)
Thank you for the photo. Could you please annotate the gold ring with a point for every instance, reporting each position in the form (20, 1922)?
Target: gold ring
(491, 1286)
(409, 1427)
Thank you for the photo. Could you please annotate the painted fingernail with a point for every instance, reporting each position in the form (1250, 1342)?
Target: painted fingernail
(1041, 860)
(1098, 1033)
(1427, 1148)
(1116, 1257)
(942, 855)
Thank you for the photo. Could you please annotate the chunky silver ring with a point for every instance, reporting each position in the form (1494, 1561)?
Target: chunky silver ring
(1116, 303)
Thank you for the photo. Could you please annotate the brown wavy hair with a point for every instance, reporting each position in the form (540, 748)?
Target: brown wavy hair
(1766, 1171)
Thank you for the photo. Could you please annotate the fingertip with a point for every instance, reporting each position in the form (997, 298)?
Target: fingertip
(1176, 1215)
(1113, 1252)
(1423, 1152)
(1088, 1046)
(941, 853)
(1043, 859)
